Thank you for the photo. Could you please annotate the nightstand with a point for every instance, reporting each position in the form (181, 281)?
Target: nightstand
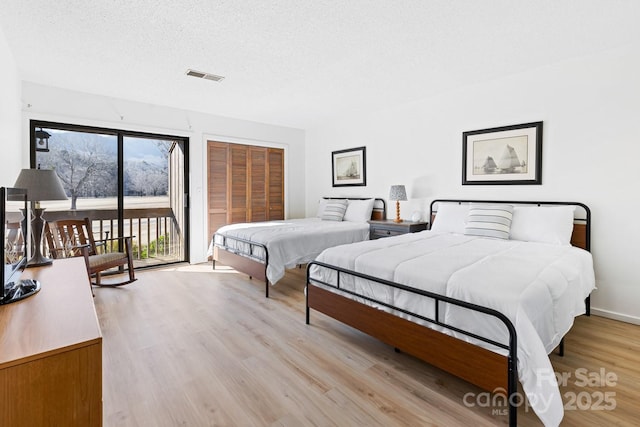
(388, 228)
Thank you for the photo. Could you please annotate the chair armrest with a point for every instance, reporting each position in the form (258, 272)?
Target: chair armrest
(104, 246)
(110, 239)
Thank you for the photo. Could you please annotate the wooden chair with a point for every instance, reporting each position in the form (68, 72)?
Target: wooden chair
(72, 238)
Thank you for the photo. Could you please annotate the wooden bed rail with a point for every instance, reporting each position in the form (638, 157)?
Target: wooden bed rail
(477, 365)
(246, 262)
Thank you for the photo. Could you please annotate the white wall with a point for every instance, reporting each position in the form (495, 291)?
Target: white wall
(10, 132)
(58, 105)
(591, 150)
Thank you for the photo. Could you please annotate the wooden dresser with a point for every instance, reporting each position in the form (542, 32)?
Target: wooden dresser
(51, 352)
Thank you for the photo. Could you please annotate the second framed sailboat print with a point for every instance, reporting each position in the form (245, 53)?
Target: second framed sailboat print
(503, 155)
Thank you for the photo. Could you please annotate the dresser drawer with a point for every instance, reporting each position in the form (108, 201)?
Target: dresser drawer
(376, 233)
(389, 228)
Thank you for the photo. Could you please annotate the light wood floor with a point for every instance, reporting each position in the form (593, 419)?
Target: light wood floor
(188, 346)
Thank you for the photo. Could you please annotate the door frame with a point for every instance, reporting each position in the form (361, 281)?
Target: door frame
(120, 134)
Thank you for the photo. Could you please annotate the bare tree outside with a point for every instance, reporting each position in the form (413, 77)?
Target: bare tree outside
(85, 164)
(148, 175)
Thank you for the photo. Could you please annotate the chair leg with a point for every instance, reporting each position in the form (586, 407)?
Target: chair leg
(132, 274)
(85, 255)
(129, 249)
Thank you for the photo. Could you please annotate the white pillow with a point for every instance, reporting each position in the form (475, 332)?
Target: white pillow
(450, 218)
(545, 224)
(489, 221)
(322, 203)
(334, 210)
(359, 210)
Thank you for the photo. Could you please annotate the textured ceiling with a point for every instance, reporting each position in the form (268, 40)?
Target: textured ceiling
(300, 62)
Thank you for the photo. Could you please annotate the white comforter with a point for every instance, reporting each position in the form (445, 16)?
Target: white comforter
(539, 287)
(292, 242)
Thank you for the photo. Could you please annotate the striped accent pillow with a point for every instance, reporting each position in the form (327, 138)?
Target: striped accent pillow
(489, 221)
(334, 210)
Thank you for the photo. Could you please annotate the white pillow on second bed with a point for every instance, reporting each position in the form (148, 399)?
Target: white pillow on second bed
(450, 218)
(545, 224)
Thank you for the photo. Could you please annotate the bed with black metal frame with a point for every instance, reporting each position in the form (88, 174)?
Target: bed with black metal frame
(485, 368)
(253, 262)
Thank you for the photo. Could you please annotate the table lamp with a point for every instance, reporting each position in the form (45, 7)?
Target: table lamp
(41, 185)
(398, 193)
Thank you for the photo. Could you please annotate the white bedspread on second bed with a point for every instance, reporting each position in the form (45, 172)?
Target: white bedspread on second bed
(295, 241)
(539, 287)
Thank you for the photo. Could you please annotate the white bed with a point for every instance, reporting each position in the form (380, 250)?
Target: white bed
(540, 286)
(275, 246)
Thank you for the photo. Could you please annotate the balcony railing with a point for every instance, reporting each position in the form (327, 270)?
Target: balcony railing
(157, 237)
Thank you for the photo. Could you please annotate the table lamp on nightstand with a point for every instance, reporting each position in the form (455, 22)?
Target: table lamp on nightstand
(398, 193)
(41, 185)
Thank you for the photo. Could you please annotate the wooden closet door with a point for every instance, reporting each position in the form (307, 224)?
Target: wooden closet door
(258, 184)
(275, 178)
(238, 184)
(217, 185)
(245, 184)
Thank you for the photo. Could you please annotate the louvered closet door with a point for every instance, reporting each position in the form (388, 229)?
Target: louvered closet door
(275, 177)
(245, 184)
(217, 185)
(238, 187)
(258, 184)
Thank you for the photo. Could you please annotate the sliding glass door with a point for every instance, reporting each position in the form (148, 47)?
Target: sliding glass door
(126, 183)
(154, 197)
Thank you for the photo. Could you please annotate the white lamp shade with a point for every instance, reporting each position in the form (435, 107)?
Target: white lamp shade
(41, 185)
(398, 192)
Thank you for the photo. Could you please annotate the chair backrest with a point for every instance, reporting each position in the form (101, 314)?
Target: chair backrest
(66, 237)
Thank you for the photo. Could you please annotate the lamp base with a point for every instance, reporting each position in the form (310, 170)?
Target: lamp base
(37, 227)
(39, 261)
(398, 219)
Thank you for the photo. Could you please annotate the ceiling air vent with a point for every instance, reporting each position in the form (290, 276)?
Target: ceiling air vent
(201, 75)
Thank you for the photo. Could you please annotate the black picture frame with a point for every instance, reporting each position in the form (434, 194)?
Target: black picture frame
(349, 167)
(507, 155)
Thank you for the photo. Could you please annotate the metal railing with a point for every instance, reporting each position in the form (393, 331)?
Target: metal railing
(157, 237)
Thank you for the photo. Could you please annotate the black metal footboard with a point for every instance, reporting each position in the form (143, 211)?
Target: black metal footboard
(251, 262)
(336, 289)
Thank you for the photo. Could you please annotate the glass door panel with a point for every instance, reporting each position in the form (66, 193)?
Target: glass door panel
(153, 199)
(87, 165)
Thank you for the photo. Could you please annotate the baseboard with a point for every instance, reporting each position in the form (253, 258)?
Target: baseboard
(615, 316)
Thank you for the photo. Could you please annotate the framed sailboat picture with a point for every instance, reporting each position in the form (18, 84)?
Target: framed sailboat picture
(505, 155)
(349, 167)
